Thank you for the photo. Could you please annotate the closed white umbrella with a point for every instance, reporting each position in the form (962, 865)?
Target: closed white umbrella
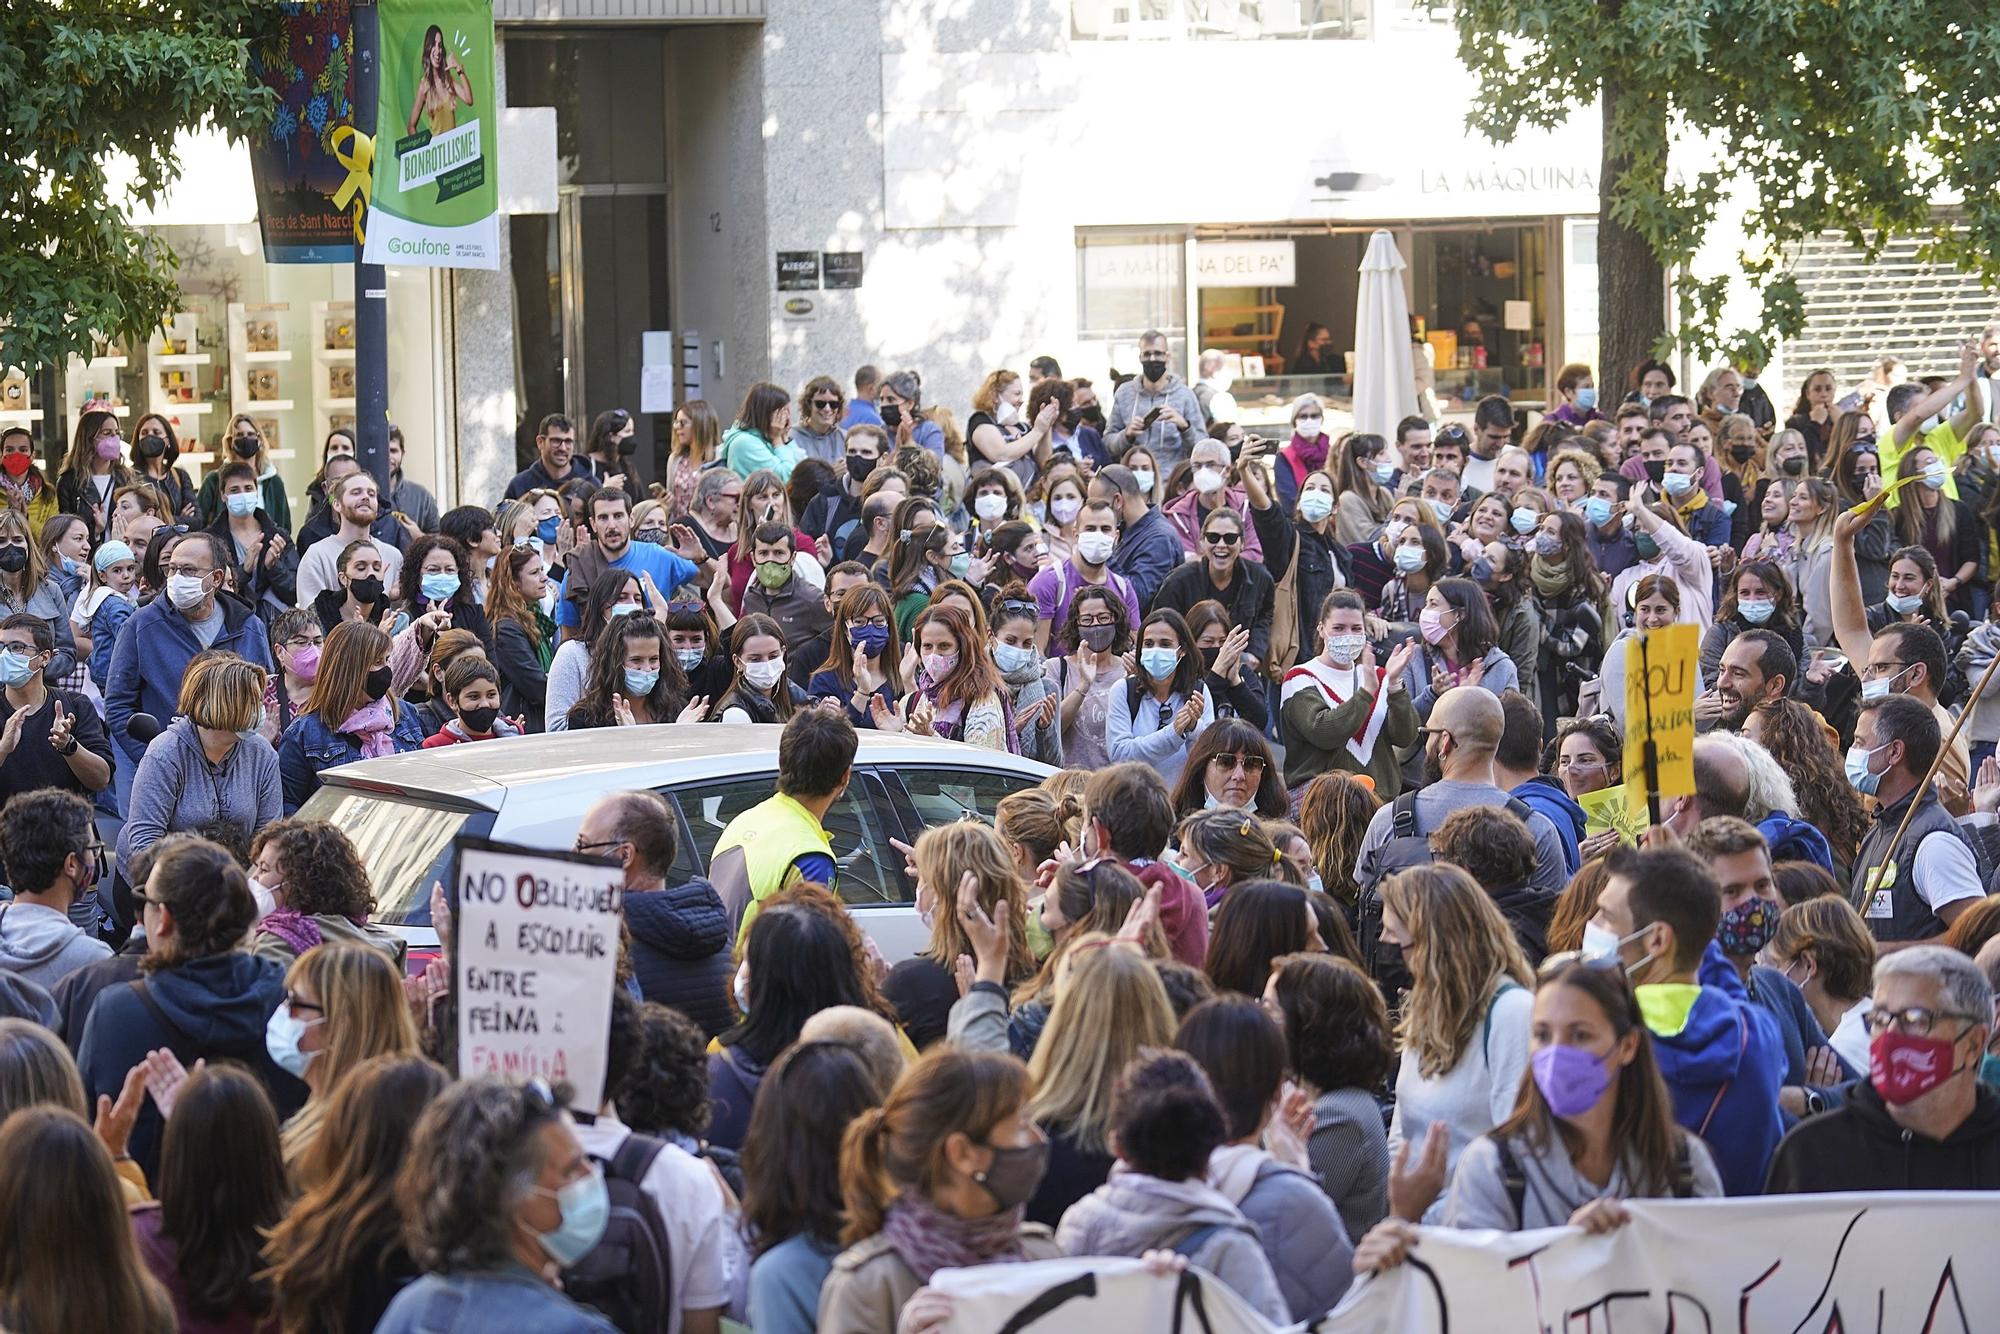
(1385, 389)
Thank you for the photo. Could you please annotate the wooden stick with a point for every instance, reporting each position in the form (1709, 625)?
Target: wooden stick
(1875, 875)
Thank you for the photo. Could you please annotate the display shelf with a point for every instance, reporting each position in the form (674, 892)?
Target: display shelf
(275, 357)
(331, 336)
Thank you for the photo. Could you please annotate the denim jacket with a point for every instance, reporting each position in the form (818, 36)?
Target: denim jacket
(506, 1298)
(309, 747)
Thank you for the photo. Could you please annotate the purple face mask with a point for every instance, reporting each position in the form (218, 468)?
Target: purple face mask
(1570, 1078)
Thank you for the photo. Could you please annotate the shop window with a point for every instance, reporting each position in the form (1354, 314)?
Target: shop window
(1128, 283)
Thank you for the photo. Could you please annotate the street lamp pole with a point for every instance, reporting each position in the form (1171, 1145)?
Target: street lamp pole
(371, 294)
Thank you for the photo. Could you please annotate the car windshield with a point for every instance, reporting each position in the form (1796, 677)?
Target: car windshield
(402, 842)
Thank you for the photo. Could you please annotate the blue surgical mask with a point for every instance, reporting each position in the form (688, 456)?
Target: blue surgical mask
(16, 669)
(1315, 505)
(1480, 571)
(1159, 663)
(1756, 611)
(1442, 509)
(690, 658)
(1936, 474)
(626, 608)
(1385, 473)
(439, 586)
(1586, 396)
(1677, 483)
(1856, 766)
(586, 1209)
(1409, 559)
(1524, 520)
(1903, 605)
(242, 504)
(641, 683)
(961, 565)
(1013, 657)
(549, 527)
(868, 640)
(282, 1032)
(1597, 510)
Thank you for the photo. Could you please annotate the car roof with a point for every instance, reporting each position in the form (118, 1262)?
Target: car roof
(481, 774)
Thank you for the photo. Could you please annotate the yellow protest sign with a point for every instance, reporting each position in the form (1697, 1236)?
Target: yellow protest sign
(1607, 809)
(1660, 670)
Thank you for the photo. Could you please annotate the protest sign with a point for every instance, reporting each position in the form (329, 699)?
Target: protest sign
(535, 952)
(1611, 808)
(436, 200)
(1910, 1262)
(1660, 670)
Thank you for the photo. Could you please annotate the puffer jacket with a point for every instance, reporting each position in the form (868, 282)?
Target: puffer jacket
(680, 951)
(1301, 1231)
(1133, 1213)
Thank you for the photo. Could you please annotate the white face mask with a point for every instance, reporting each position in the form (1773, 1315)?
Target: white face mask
(764, 674)
(186, 591)
(1095, 548)
(990, 507)
(1208, 479)
(1065, 510)
(1006, 414)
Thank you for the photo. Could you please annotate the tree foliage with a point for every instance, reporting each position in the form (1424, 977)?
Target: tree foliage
(1848, 116)
(82, 81)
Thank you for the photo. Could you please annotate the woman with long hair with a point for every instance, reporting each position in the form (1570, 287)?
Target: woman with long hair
(359, 593)
(633, 679)
(1165, 705)
(1654, 602)
(1089, 680)
(1796, 738)
(764, 500)
(1235, 686)
(1575, 605)
(928, 557)
(1757, 595)
(1062, 493)
(65, 546)
(1460, 646)
(934, 1178)
(1334, 812)
(791, 1179)
(1361, 471)
(697, 645)
(1419, 555)
(1032, 702)
(434, 589)
(1502, 570)
(155, 449)
(222, 1188)
(344, 1004)
(958, 693)
(949, 859)
(524, 638)
(1947, 528)
(1034, 822)
(59, 1200)
(442, 86)
(1585, 756)
(1915, 596)
(94, 468)
(1231, 765)
(1339, 1048)
(611, 594)
(697, 437)
(1272, 919)
(864, 658)
(1463, 1030)
(338, 1257)
(1814, 507)
(760, 438)
(352, 715)
(28, 588)
(759, 691)
(1813, 415)
(1341, 710)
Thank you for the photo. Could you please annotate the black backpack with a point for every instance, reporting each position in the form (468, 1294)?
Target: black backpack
(1515, 1181)
(628, 1275)
(1407, 847)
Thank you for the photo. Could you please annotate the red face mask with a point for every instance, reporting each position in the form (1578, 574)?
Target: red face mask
(1903, 1067)
(17, 465)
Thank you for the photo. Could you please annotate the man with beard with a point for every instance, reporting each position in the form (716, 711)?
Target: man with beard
(1757, 668)
(1459, 743)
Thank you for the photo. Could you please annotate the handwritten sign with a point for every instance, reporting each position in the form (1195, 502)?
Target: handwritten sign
(1660, 670)
(1611, 808)
(536, 950)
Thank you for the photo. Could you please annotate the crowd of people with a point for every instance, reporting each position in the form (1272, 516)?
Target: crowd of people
(1318, 930)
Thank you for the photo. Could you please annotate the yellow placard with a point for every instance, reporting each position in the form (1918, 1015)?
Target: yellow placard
(1660, 670)
(1866, 509)
(1607, 809)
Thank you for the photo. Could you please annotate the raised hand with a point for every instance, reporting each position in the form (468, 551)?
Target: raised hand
(114, 1119)
(621, 709)
(164, 1076)
(61, 727)
(1414, 1186)
(987, 935)
(695, 712)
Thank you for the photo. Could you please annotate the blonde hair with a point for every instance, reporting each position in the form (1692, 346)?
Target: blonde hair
(1461, 950)
(1039, 820)
(944, 854)
(222, 692)
(1587, 463)
(1109, 1004)
(367, 1015)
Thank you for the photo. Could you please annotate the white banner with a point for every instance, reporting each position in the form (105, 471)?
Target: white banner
(1910, 1263)
(1273, 263)
(536, 952)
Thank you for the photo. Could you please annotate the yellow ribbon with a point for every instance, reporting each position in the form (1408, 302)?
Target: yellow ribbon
(360, 164)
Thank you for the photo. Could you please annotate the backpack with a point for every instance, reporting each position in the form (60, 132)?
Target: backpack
(628, 1275)
(1515, 1181)
(1406, 847)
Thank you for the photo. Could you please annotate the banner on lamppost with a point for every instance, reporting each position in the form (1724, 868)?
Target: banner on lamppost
(436, 201)
(308, 65)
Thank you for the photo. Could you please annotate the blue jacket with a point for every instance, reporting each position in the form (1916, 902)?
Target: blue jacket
(1149, 551)
(1795, 840)
(680, 951)
(1724, 1070)
(1546, 795)
(104, 627)
(507, 1298)
(1798, 1030)
(152, 655)
(309, 747)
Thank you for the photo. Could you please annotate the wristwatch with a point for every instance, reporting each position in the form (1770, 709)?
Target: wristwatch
(67, 751)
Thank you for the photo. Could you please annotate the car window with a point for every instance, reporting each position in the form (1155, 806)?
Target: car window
(940, 796)
(869, 869)
(402, 843)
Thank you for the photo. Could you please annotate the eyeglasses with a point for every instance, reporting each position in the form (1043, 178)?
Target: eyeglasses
(877, 621)
(1917, 1021)
(1230, 760)
(300, 641)
(1096, 623)
(830, 404)
(189, 571)
(1222, 539)
(1433, 731)
(603, 843)
(292, 1001)
(1875, 670)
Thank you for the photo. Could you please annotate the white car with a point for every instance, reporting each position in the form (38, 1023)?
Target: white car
(403, 811)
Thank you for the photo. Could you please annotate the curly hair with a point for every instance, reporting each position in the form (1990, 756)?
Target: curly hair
(1334, 813)
(1796, 739)
(1336, 1024)
(323, 873)
(1121, 619)
(209, 896)
(666, 1089)
(1490, 843)
(474, 1146)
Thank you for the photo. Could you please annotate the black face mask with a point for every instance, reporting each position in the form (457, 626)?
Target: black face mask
(151, 446)
(246, 446)
(378, 683)
(366, 590)
(1155, 369)
(858, 468)
(892, 415)
(1656, 470)
(13, 560)
(628, 446)
(1795, 466)
(1209, 655)
(478, 720)
(1743, 453)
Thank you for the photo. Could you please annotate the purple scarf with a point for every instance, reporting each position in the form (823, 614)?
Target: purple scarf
(927, 1239)
(373, 725)
(294, 928)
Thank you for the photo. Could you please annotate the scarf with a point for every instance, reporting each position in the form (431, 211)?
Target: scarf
(1330, 681)
(928, 1239)
(1550, 580)
(294, 928)
(372, 725)
(1024, 675)
(1310, 454)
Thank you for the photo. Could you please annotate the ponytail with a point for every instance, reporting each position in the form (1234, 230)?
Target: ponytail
(862, 1175)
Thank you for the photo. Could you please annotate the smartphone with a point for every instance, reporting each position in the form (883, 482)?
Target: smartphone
(1151, 417)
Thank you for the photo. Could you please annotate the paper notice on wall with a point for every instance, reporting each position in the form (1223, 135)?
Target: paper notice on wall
(656, 370)
(1518, 316)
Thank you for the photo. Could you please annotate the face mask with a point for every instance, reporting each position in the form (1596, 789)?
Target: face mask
(378, 683)
(774, 574)
(1748, 927)
(858, 468)
(1645, 546)
(151, 446)
(639, 682)
(961, 565)
(242, 504)
(366, 589)
(652, 537)
(479, 720)
(1524, 520)
(1145, 478)
(281, 1039)
(305, 662)
(1385, 473)
(1856, 763)
(1570, 1078)
(1409, 559)
(1155, 368)
(1207, 480)
(586, 1208)
(1159, 663)
(1795, 466)
(186, 591)
(1597, 510)
(1599, 943)
(1065, 510)
(939, 665)
(245, 446)
(1902, 605)
(548, 528)
(868, 640)
(254, 728)
(1548, 546)
(1586, 396)
(17, 465)
(1756, 612)
(1097, 638)
(13, 559)
(628, 446)
(1392, 532)
(690, 658)
(1345, 649)
(110, 448)
(1308, 427)
(16, 669)
(1440, 508)
(1480, 571)
(1013, 657)
(892, 415)
(1743, 453)
(1677, 483)
(1645, 400)
(438, 586)
(1655, 470)
(1904, 1067)
(766, 674)
(990, 507)
(1095, 548)
(1015, 1174)
(1431, 622)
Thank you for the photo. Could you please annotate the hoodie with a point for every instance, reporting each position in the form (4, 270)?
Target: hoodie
(1546, 795)
(1183, 911)
(733, 1080)
(1860, 1146)
(214, 1008)
(1133, 1213)
(1793, 840)
(1300, 1230)
(1724, 1067)
(40, 945)
(1527, 910)
(680, 951)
